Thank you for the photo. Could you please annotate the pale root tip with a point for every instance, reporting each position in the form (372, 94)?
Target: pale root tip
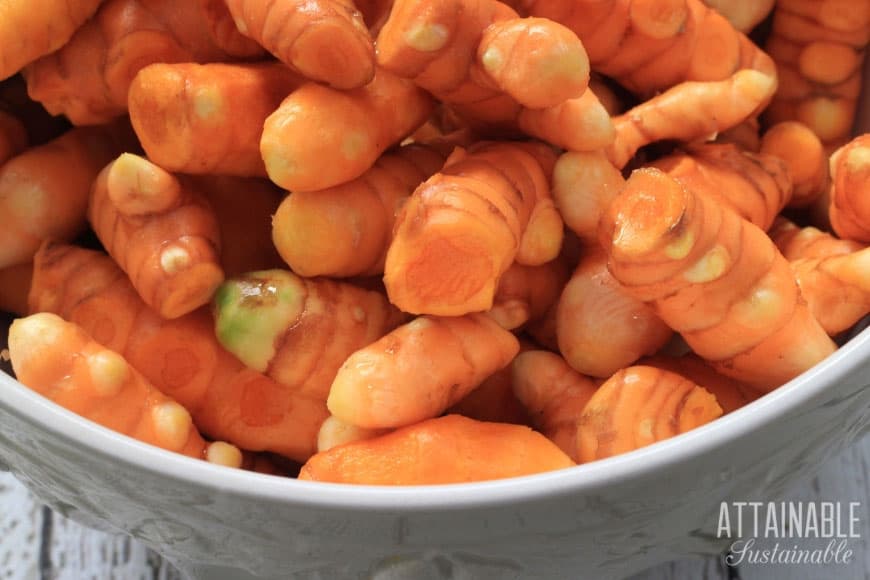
(28, 336)
(756, 85)
(709, 267)
(226, 454)
(137, 187)
(208, 103)
(174, 259)
(192, 287)
(172, 424)
(109, 371)
(334, 432)
(427, 37)
(492, 60)
(858, 159)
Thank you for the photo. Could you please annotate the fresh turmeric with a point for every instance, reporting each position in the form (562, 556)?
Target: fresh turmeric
(462, 229)
(584, 184)
(58, 360)
(335, 432)
(320, 137)
(638, 406)
(44, 191)
(163, 234)
(795, 242)
(849, 208)
(436, 360)
(324, 40)
(33, 29)
(600, 327)
(207, 118)
(554, 395)
(819, 48)
(805, 156)
(180, 357)
(713, 277)
(755, 185)
(451, 449)
(88, 78)
(345, 230)
(299, 331)
(525, 293)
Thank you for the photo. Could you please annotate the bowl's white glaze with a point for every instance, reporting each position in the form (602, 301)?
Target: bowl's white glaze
(601, 520)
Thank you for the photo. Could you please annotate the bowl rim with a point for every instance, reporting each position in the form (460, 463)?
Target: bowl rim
(98, 440)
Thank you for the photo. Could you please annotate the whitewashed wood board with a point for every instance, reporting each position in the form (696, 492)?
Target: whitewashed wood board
(38, 544)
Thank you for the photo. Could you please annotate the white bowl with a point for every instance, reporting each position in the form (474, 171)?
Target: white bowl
(602, 520)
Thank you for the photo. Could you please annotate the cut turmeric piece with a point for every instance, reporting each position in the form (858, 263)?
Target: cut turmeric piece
(60, 361)
(419, 370)
(451, 449)
(638, 406)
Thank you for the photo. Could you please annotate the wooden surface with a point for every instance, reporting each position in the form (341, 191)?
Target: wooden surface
(37, 544)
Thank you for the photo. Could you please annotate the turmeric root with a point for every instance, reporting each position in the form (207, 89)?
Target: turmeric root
(600, 327)
(690, 111)
(324, 40)
(581, 124)
(13, 137)
(33, 29)
(554, 395)
(243, 207)
(819, 49)
(451, 449)
(713, 277)
(730, 394)
(526, 293)
(180, 357)
(419, 370)
(320, 137)
(744, 15)
(14, 287)
(808, 242)
(208, 118)
(850, 193)
(755, 185)
(345, 230)
(298, 331)
(335, 432)
(584, 184)
(58, 360)
(800, 148)
(44, 191)
(88, 78)
(462, 229)
(639, 406)
(651, 45)
(161, 233)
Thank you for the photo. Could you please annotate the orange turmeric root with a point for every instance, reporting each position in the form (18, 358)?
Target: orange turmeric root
(744, 15)
(600, 327)
(691, 111)
(58, 360)
(163, 234)
(180, 357)
(639, 406)
(451, 449)
(89, 77)
(462, 229)
(651, 45)
(345, 230)
(324, 40)
(13, 137)
(849, 208)
(207, 118)
(584, 184)
(713, 277)
(44, 191)
(320, 137)
(419, 370)
(796, 243)
(244, 208)
(299, 331)
(730, 394)
(526, 293)
(819, 49)
(554, 395)
(14, 287)
(755, 185)
(335, 432)
(33, 29)
(800, 148)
